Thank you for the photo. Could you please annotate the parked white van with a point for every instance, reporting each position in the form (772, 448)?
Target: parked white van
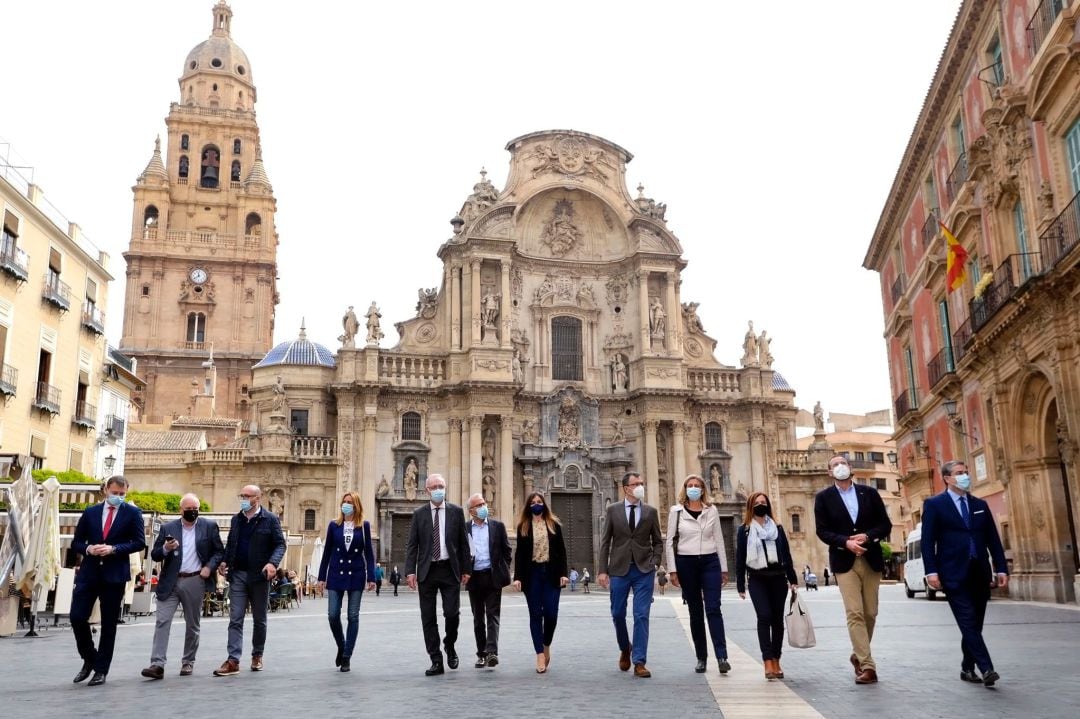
(914, 572)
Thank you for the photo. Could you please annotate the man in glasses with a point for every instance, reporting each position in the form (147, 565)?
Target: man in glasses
(490, 573)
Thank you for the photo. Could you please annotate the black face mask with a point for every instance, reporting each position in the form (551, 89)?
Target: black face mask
(191, 514)
(760, 510)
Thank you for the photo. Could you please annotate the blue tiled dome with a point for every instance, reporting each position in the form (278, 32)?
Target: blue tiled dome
(300, 351)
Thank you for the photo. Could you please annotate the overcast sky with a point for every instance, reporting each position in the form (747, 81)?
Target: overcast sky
(771, 130)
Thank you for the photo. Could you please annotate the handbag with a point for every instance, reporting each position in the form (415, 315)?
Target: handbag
(800, 629)
(675, 539)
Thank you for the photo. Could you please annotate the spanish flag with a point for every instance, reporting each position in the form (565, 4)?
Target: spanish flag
(956, 260)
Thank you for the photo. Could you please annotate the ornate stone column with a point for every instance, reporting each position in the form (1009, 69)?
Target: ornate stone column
(504, 306)
(367, 479)
(506, 469)
(476, 465)
(758, 475)
(475, 291)
(643, 309)
(453, 474)
(651, 473)
(463, 470)
(678, 436)
(455, 307)
(671, 330)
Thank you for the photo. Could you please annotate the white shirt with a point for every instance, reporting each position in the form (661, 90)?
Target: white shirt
(851, 501)
(443, 554)
(189, 556)
(105, 515)
(347, 529)
(637, 511)
(696, 536)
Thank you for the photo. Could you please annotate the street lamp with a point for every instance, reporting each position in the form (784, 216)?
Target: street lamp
(891, 455)
(109, 462)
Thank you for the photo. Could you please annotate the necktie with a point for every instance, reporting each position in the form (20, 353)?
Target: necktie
(633, 521)
(436, 542)
(967, 523)
(108, 522)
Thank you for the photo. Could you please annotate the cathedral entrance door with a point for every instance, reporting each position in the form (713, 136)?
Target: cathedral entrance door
(399, 535)
(575, 512)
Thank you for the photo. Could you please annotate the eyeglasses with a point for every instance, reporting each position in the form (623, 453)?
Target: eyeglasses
(478, 506)
(247, 496)
(636, 484)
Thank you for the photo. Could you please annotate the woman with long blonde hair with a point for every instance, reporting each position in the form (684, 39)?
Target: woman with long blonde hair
(348, 566)
(540, 571)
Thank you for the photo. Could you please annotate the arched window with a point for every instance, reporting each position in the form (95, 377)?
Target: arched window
(309, 520)
(183, 166)
(185, 142)
(234, 176)
(410, 425)
(253, 224)
(196, 327)
(796, 523)
(236, 143)
(209, 172)
(714, 437)
(150, 216)
(566, 348)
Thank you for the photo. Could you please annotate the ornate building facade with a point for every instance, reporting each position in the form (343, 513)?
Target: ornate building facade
(990, 373)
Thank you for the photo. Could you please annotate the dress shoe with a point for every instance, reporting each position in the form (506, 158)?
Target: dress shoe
(867, 676)
(256, 663)
(855, 663)
(990, 678)
(97, 680)
(87, 668)
(481, 662)
(777, 671)
(154, 672)
(700, 668)
(187, 669)
(492, 660)
(624, 659)
(434, 669)
(340, 654)
(227, 668)
(451, 658)
(641, 671)
(725, 666)
(770, 672)
(970, 675)
(345, 664)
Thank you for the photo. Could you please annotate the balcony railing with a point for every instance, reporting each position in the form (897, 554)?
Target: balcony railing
(1009, 277)
(314, 447)
(1062, 235)
(961, 339)
(1041, 22)
(929, 229)
(941, 366)
(47, 398)
(862, 464)
(898, 287)
(192, 345)
(709, 380)
(85, 415)
(905, 404)
(56, 291)
(114, 426)
(993, 74)
(9, 379)
(957, 178)
(411, 370)
(93, 319)
(793, 459)
(14, 261)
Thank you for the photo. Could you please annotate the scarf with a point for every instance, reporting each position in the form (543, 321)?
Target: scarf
(761, 544)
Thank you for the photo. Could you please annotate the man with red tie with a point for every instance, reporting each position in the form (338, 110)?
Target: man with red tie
(106, 534)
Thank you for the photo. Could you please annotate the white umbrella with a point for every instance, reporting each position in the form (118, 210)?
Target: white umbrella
(316, 560)
(22, 496)
(41, 566)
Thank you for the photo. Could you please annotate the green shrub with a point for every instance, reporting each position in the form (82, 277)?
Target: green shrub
(161, 502)
(886, 551)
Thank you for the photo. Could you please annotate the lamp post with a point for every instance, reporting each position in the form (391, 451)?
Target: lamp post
(109, 462)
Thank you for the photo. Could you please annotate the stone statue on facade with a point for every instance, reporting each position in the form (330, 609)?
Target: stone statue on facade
(489, 490)
(690, 316)
(383, 490)
(528, 431)
(750, 347)
(585, 296)
(714, 480)
(569, 424)
(819, 417)
(277, 503)
(764, 352)
(516, 368)
(409, 479)
(618, 372)
(277, 401)
(351, 326)
(545, 293)
(617, 436)
(427, 304)
(374, 334)
(560, 233)
(657, 318)
(489, 312)
(488, 448)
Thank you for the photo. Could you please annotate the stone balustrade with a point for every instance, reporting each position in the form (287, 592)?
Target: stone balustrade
(411, 370)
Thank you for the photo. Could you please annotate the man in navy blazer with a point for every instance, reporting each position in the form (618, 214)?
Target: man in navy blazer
(189, 550)
(105, 535)
(490, 572)
(437, 562)
(958, 535)
(851, 518)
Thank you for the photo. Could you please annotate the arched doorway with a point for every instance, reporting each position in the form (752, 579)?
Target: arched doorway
(1057, 448)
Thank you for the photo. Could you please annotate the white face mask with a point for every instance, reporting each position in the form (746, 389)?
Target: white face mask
(841, 472)
(639, 492)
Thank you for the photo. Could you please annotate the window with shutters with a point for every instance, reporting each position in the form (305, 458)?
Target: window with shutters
(566, 348)
(410, 425)
(714, 438)
(309, 520)
(54, 265)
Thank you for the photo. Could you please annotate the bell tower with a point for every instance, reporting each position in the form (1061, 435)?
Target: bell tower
(202, 262)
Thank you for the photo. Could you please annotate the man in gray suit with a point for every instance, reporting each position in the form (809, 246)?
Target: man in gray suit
(437, 560)
(630, 551)
(189, 550)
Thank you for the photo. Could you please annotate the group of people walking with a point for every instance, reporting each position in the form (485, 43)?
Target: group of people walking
(448, 546)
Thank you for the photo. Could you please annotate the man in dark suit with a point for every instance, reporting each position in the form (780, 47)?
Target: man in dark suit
(106, 534)
(851, 519)
(958, 533)
(489, 574)
(189, 550)
(630, 551)
(437, 561)
(253, 552)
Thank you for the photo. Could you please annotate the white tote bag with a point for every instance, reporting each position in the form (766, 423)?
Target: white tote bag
(800, 630)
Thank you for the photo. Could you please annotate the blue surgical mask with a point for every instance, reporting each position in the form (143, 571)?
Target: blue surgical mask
(115, 500)
(245, 505)
(347, 509)
(536, 508)
(438, 495)
(963, 481)
(693, 493)
(482, 512)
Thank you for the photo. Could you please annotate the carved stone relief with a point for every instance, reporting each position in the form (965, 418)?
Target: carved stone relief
(569, 156)
(560, 234)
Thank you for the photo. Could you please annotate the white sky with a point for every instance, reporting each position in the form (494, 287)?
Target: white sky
(772, 131)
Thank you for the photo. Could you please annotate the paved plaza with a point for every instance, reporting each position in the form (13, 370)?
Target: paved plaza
(917, 648)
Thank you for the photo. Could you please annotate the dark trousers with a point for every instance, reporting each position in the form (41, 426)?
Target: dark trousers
(395, 587)
(247, 588)
(701, 579)
(543, 601)
(968, 604)
(440, 580)
(486, 601)
(111, 596)
(768, 592)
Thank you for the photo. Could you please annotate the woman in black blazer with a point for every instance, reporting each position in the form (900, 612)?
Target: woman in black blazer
(540, 571)
(348, 565)
(763, 553)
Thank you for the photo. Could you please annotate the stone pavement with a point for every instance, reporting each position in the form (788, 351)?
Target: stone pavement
(917, 648)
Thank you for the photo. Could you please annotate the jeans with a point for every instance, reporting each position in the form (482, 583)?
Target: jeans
(247, 587)
(642, 584)
(768, 593)
(543, 601)
(345, 641)
(701, 578)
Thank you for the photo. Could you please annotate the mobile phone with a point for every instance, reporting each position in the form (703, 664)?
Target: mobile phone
(169, 538)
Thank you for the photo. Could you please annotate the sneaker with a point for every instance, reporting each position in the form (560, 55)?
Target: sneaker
(492, 660)
(228, 668)
(257, 663)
